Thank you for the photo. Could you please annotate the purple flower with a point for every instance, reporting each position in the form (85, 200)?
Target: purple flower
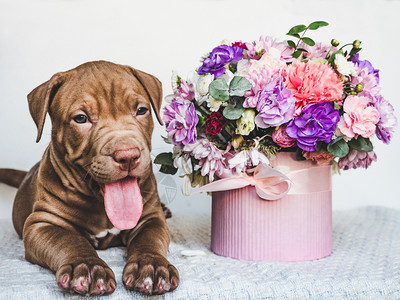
(365, 64)
(356, 159)
(180, 120)
(219, 57)
(275, 104)
(185, 91)
(387, 121)
(316, 123)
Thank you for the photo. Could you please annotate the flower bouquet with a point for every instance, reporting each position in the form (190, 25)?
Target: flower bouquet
(294, 103)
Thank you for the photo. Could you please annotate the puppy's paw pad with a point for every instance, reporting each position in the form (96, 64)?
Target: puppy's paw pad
(162, 286)
(80, 285)
(174, 283)
(146, 286)
(151, 274)
(93, 278)
(64, 281)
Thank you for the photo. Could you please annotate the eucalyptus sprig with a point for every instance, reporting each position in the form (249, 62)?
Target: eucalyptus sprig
(295, 32)
(232, 93)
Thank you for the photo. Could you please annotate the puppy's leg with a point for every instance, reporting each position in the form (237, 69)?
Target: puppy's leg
(147, 269)
(68, 254)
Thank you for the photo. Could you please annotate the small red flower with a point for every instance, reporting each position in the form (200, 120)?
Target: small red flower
(215, 123)
(240, 44)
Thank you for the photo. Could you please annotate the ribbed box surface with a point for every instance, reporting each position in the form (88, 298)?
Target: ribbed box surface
(297, 227)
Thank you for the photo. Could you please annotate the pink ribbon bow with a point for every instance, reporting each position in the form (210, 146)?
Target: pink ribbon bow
(269, 183)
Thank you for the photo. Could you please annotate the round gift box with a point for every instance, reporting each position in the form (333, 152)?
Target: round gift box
(297, 227)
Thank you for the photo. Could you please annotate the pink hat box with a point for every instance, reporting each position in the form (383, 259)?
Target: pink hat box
(297, 227)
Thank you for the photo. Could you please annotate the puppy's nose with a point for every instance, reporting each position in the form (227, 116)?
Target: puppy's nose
(127, 159)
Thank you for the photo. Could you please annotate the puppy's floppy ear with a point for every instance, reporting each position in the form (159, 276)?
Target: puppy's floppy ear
(40, 98)
(153, 89)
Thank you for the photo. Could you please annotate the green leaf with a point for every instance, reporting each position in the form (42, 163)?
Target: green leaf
(299, 154)
(317, 24)
(302, 50)
(239, 86)
(338, 147)
(361, 144)
(200, 125)
(308, 41)
(353, 52)
(297, 53)
(336, 105)
(234, 110)
(168, 169)
(296, 35)
(219, 89)
(291, 44)
(297, 29)
(233, 67)
(164, 158)
(319, 146)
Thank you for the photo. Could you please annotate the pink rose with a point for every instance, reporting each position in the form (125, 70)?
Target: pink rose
(359, 118)
(282, 139)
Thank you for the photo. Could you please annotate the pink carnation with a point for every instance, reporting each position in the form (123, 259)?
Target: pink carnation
(318, 51)
(312, 83)
(359, 118)
(368, 80)
(258, 81)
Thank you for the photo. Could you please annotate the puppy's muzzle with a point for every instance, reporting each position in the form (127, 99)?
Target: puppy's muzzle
(126, 159)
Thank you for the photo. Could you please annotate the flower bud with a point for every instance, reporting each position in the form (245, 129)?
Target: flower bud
(335, 43)
(353, 93)
(359, 88)
(356, 44)
(237, 140)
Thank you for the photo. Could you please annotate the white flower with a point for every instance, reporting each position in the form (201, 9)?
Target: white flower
(242, 67)
(246, 124)
(247, 159)
(185, 165)
(259, 48)
(174, 81)
(228, 76)
(343, 66)
(226, 42)
(186, 185)
(203, 84)
(214, 104)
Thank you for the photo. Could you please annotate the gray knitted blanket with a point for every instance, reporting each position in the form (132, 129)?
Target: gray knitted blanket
(365, 264)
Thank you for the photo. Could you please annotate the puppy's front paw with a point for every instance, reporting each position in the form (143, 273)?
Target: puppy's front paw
(89, 277)
(150, 274)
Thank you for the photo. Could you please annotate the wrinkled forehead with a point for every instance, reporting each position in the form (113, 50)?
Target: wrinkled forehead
(101, 90)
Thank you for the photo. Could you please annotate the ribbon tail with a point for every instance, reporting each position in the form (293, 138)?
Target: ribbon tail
(223, 185)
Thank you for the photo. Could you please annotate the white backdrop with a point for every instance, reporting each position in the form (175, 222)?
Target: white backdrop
(39, 38)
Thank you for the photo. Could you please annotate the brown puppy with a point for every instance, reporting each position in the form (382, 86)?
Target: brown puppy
(94, 187)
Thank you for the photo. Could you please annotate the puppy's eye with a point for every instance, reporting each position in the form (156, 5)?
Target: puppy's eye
(141, 111)
(80, 119)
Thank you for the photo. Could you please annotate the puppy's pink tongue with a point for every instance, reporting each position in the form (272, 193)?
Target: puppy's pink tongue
(123, 203)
